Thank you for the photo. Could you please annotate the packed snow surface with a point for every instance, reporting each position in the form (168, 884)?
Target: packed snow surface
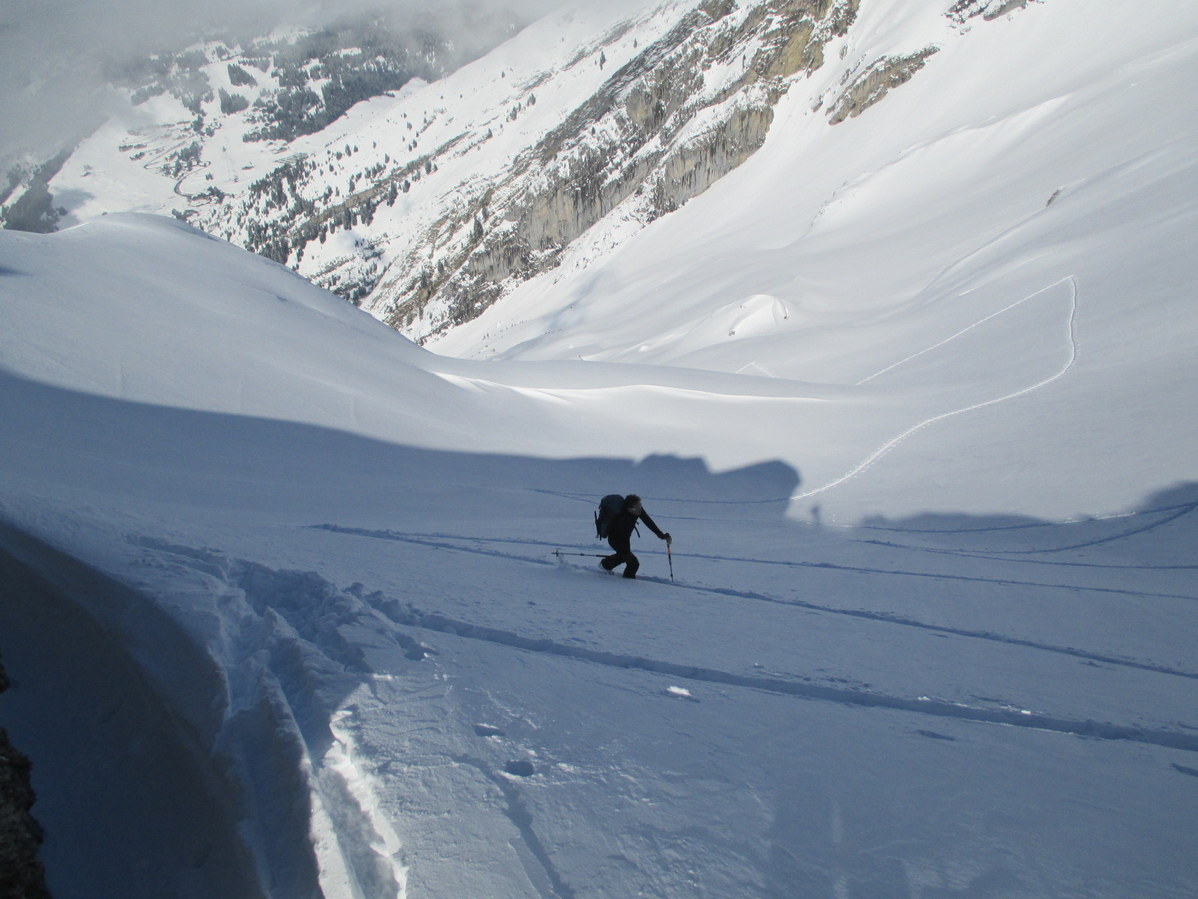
(295, 607)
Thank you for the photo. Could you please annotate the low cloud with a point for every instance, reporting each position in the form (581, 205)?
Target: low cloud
(55, 54)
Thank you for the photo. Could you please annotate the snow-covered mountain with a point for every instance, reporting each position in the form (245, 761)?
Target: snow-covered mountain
(174, 106)
(428, 204)
(295, 606)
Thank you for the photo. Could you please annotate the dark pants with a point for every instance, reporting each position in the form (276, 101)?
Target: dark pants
(623, 556)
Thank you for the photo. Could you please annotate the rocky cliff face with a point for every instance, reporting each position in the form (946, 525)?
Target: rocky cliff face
(680, 115)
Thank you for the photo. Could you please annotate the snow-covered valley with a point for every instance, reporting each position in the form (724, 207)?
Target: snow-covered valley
(295, 607)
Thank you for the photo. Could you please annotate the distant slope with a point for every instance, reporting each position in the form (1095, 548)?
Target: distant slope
(972, 218)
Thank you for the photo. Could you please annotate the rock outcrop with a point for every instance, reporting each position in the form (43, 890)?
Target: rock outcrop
(963, 10)
(873, 82)
(21, 874)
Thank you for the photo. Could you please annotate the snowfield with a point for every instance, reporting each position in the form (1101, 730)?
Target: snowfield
(294, 607)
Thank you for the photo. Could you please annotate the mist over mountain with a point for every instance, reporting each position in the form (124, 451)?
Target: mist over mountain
(59, 57)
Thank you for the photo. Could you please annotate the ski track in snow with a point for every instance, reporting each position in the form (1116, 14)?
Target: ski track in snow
(408, 615)
(1019, 556)
(1032, 525)
(1171, 514)
(534, 858)
(306, 601)
(413, 617)
(881, 451)
(999, 554)
(441, 542)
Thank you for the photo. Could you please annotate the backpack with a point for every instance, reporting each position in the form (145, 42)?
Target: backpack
(609, 507)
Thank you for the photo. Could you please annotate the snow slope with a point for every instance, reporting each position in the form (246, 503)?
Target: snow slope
(282, 608)
(367, 632)
(1018, 202)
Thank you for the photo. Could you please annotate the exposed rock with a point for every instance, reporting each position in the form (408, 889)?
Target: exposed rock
(875, 81)
(33, 207)
(963, 10)
(21, 873)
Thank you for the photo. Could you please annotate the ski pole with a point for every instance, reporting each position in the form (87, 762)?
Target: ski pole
(559, 553)
(670, 557)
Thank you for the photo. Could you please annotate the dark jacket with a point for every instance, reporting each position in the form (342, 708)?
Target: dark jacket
(623, 524)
